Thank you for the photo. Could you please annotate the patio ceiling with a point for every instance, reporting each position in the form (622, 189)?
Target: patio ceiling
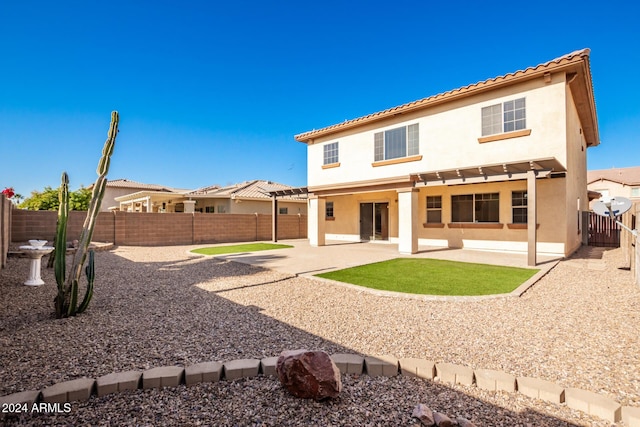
(489, 173)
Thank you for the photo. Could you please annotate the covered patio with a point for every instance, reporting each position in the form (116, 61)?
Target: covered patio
(407, 205)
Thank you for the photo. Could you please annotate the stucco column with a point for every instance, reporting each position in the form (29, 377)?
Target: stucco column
(408, 221)
(317, 212)
(189, 206)
(532, 238)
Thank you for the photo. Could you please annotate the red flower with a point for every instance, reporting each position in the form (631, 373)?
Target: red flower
(8, 192)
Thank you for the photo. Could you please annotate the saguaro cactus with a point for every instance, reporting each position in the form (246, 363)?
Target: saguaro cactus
(66, 302)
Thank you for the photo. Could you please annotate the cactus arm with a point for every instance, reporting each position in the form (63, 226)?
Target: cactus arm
(90, 271)
(96, 200)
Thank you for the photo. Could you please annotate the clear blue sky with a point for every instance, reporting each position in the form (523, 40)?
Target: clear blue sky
(213, 92)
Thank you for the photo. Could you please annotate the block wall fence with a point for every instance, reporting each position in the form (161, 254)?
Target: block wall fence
(158, 229)
(6, 209)
(631, 244)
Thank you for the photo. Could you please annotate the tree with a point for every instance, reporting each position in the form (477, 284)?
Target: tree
(47, 200)
(79, 200)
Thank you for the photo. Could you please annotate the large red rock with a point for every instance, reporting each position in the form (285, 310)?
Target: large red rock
(309, 374)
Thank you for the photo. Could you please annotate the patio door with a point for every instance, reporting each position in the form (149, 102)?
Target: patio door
(374, 221)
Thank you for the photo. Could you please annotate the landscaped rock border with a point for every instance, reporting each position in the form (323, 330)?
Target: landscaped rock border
(384, 365)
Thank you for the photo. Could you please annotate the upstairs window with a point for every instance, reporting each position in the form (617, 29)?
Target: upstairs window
(519, 207)
(396, 143)
(283, 211)
(506, 117)
(330, 153)
(635, 192)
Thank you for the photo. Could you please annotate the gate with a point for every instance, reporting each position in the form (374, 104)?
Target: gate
(603, 231)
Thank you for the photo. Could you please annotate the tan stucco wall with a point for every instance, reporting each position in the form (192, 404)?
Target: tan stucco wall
(347, 212)
(576, 200)
(551, 213)
(447, 131)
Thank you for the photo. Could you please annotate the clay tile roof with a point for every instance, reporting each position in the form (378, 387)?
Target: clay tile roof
(255, 189)
(573, 57)
(126, 183)
(626, 176)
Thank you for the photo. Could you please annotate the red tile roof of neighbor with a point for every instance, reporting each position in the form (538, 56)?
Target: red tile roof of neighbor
(578, 59)
(626, 176)
(255, 189)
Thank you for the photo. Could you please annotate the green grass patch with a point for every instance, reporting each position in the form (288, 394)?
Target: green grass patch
(434, 277)
(232, 249)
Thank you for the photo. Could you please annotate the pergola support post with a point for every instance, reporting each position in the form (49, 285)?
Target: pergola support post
(532, 220)
(274, 218)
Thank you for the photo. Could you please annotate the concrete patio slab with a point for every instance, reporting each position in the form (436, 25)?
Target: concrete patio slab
(306, 260)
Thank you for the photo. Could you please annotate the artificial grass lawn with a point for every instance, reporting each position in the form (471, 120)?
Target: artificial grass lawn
(434, 277)
(247, 247)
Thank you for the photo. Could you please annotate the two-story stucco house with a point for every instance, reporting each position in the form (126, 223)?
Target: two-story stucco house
(614, 182)
(496, 165)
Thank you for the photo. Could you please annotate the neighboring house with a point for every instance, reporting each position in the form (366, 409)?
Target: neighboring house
(496, 165)
(612, 182)
(246, 197)
(132, 196)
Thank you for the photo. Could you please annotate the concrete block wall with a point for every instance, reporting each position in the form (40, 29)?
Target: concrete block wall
(592, 403)
(39, 225)
(6, 208)
(152, 229)
(157, 229)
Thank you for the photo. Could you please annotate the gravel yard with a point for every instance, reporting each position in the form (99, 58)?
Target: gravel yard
(578, 327)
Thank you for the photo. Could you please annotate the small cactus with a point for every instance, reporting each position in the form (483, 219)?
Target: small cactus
(66, 301)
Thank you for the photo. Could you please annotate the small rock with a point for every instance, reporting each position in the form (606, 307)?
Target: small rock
(463, 422)
(309, 374)
(424, 414)
(442, 420)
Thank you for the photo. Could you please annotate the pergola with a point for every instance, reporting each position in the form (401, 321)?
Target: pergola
(528, 170)
(288, 192)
